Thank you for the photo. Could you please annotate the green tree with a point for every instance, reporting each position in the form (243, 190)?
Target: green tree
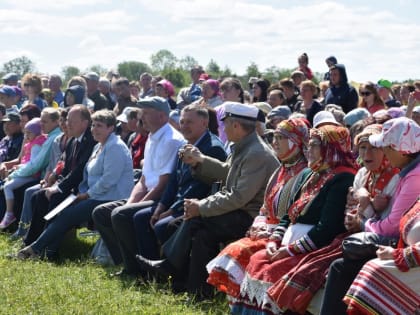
(68, 72)
(187, 63)
(177, 76)
(163, 61)
(226, 72)
(101, 71)
(252, 70)
(213, 69)
(132, 69)
(20, 66)
(272, 74)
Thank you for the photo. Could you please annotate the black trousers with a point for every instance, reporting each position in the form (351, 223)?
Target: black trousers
(40, 207)
(197, 241)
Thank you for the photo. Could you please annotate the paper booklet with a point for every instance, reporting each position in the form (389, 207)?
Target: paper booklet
(60, 207)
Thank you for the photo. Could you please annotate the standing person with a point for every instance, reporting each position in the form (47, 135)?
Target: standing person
(121, 88)
(210, 96)
(308, 106)
(385, 92)
(330, 61)
(32, 86)
(99, 100)
(102, 182)
(191, 93)
(54, 85)
(370, 98)
(104, 87)
(289, 91)
(340, 91)
(259, 90)
(303, 62)
(165, 88)
(225, 215)
(146, 85)
(406, 156)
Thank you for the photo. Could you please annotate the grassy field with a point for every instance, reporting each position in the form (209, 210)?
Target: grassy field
(76, 285)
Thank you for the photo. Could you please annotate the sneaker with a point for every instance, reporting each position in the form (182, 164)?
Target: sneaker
(8, 219)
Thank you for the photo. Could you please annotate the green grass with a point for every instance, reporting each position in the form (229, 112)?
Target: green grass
(76, 285)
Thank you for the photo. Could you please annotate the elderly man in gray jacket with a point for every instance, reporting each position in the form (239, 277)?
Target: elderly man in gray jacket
(225, 215)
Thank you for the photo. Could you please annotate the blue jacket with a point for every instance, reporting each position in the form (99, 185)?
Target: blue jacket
(108, 175)
(182, 185)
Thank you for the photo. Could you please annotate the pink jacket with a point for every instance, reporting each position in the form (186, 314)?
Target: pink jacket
(406, 194)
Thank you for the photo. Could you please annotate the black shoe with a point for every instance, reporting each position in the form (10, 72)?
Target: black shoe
(160, 267)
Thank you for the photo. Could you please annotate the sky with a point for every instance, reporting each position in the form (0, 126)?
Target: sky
(374, 39)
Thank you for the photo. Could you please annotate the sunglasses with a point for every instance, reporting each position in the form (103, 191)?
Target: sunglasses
(27, 85)
(365, 93)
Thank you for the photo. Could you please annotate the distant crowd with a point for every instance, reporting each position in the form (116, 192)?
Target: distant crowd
(290, 197)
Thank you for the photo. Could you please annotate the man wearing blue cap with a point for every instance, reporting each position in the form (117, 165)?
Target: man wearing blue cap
(225, 215)
(10, 79)
(8, 98)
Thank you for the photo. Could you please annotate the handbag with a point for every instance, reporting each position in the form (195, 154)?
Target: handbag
(360, 246)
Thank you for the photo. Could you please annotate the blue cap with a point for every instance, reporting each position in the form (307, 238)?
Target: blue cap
(8, 90)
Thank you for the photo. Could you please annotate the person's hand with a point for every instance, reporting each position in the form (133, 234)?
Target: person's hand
(190, 155)
(380, 202)
(50, 180)
(271, 248)
(352, 221)
(351, 201)
(364, 198)
(50, 191)
(165, 214)
(3, 171)
(279, 254)
(82, 196)
(191, 208)
(385, 252)
(153, 219)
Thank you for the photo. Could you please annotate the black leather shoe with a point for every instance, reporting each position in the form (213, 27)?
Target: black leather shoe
(160, 267)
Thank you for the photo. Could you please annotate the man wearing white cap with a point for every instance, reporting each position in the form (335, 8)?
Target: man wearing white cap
(225, 215)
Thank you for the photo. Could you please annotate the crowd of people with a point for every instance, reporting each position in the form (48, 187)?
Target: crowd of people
(288, 196)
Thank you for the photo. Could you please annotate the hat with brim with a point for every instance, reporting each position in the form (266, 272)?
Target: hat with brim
(401, 134)
(15, 117)
(156, 102)
(239, 110)
(264, 107)
(324, 117)
(123, 117)
(8, 90)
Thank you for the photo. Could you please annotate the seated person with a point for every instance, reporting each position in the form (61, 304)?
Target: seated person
(33, 142)
(108, 175)
(394, 277)
(406, 156)
(311, 222)
(11, 144)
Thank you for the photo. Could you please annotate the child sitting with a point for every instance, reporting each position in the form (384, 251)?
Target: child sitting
(33, 142)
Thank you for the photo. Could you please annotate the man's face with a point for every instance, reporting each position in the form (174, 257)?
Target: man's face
(54, 84)
(152, 119)
(229, 129)
(47, 124)
(192, 126)
(6, 100)
(146, 82)
(335, 76)
(76, 126)
(11, 127)
(274, 99)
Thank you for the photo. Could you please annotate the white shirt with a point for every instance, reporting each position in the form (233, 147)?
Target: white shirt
(160, 154)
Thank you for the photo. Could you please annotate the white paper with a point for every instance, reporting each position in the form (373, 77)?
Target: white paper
(64, 204)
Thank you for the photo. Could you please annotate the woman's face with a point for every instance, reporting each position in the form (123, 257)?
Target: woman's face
(394, 157)
(371, 156)
(208, 92)
(29, 89)
(256, 90)
(100, 131)
(280, 145)
(70, 100)
(314, 151)
(230, 94)
(367, 96)
(63, 124)
(306, 93)
(160, 91)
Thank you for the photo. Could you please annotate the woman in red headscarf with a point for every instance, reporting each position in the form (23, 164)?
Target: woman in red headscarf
(311, 222)
(227, 270)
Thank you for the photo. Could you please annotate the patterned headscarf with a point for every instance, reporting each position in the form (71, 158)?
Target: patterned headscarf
(335, 145)
(296, 130)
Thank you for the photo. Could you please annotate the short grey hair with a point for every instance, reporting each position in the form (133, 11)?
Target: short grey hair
(105, 82)
(105, 116)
